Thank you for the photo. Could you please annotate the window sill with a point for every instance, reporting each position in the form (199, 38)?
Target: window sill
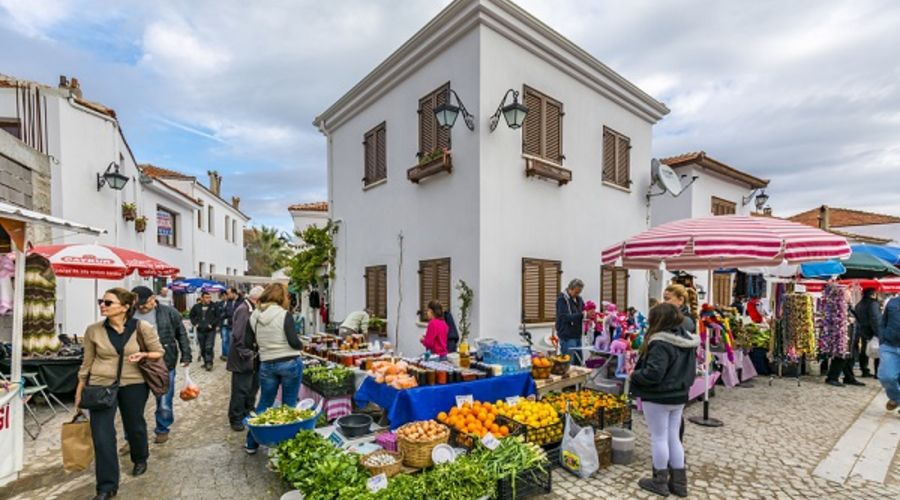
(545, 169)
(616, 186)
(540, 325)
(374, 184)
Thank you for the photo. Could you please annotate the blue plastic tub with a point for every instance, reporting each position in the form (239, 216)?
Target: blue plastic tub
(272, 435)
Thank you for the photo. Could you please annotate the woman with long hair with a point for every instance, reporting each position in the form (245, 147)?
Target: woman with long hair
(273, 329)
(664, 373)
(111, 356)
(680, 297)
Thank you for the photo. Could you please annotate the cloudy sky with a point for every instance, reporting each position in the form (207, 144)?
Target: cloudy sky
(806, 93)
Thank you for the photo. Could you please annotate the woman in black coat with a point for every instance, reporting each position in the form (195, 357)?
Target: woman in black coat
(662, 378)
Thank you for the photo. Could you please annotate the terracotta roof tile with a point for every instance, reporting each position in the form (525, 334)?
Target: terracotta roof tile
(164, 173)
(7, 81)
(316, 206)
(844, 217)
(701, 159)
(861, 238)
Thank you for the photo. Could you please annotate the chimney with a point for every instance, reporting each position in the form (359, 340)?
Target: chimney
(215, 182)
(75, 87)
(236, 202)
(767, 211)
(63, 82)
(824, 217)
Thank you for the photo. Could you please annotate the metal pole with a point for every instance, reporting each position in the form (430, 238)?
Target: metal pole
(705, 420)
(18, 315)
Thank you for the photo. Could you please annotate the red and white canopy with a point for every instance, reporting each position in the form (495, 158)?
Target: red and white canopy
(883, 285)
(101, 262)
(726, 241)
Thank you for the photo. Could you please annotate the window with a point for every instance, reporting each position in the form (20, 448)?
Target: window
(434, 284)
(202, 268)
(212, 269)
(234, 230)
(227, 228)
(431, 137)
(616, 158)
(542, 131)
(540, 286)
(375, 155)
(166, 227)
(376, 290)
(210, 221)
(10, 126)
(227, 270)
(723, 207)
(722, 289)
(200, 219)
(614, 286)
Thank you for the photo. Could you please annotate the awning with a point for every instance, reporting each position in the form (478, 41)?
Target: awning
(14, 218)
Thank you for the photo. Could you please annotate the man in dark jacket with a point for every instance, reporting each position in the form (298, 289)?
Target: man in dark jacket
(227, 311)
(205, 317)
(889, 352)
(570, 319)
(173, 337)
(242, 362)
(868, 321)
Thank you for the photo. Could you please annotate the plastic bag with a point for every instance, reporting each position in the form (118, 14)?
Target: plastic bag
(872, 348)
(190, 390)
(579, 454)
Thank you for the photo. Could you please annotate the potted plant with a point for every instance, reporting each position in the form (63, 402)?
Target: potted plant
(465, 310)
(129, 211)
(140, 224)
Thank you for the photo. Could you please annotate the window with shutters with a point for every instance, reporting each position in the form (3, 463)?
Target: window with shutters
(542, 132)
(616, 158)
(614, 286)
(540, 286)
(722, 289)
(431, 137)
(434, 284)
(375, 157)
(376, 290)
(723, 207)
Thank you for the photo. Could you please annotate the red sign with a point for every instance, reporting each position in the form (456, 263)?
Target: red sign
(5, 416)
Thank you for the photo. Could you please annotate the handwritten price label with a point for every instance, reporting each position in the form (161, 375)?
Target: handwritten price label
(490, 442)
(525, 361)
(512, 400)
(377, 483)
(461, 400)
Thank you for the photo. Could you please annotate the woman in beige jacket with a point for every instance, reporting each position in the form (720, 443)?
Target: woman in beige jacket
(104, 342)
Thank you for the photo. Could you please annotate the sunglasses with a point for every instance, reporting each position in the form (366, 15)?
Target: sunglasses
(106, 303)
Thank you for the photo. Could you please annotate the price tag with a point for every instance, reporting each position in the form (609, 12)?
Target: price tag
(525, 361)
(512, 400)
(461, 400)
(377, 483)
(336, 439)
(490, 442)
(800, 288)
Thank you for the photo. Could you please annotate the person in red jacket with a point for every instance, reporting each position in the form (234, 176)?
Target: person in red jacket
(435, 338)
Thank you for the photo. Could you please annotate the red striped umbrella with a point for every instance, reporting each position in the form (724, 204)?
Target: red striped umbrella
(101, 262)
(726, 241)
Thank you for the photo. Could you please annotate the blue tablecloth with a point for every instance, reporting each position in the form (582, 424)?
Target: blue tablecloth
(423, 403)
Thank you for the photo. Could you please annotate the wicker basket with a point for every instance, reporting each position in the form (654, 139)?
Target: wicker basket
(560, 367)
(388, 470)
(541, 372)
(418, 454)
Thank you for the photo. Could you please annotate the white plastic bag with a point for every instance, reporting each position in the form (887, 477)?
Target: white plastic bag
(578, 454)
(872, 348)
(190, 390)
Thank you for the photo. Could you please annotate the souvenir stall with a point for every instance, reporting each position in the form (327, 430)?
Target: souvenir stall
(15, 230)
(794, 339)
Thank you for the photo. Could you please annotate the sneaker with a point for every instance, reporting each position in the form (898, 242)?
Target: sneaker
(891, 405)
(250, 451)
(161, 438)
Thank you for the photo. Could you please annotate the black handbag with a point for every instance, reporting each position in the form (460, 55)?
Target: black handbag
(102, 397)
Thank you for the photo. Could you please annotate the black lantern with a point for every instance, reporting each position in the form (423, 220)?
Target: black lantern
(701, 293)
(761, 200)
(447, 113)
(514, 113)
(112, 177)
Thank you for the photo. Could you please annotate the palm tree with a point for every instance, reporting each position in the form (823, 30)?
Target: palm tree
(267, 250)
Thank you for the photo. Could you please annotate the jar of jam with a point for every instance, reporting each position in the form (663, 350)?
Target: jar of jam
(441, 377)
(431, 377)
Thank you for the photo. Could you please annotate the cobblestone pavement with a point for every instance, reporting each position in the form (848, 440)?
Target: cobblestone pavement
(773, 438)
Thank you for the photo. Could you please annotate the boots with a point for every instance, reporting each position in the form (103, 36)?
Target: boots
(678, 482)
(659, 484)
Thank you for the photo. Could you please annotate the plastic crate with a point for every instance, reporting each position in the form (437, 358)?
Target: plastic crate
(528, 483)
(536, 435)
(462, 440)
(347, 388)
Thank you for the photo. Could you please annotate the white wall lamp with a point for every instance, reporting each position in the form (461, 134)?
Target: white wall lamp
(514, 113)
(112, 177)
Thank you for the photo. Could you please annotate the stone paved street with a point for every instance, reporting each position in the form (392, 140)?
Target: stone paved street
(774, 436)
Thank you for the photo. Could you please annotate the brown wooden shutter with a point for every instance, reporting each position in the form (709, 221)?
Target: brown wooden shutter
(551, 287)
(534, 120)
(722, 289)
(442, 140)
(376, 290)
(442, 291)
(381, 311)
(553, 131)
(426, 286)
(623, 161)
(542, 131)
(427, 125)
(621, 286)
(434, 284)
(607, 283)
(370, 154)
(609, 156)
(723, 207)
(531, 292)
(381, 152)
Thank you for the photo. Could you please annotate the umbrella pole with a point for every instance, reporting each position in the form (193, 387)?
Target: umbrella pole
(96, 296)
(706, 420)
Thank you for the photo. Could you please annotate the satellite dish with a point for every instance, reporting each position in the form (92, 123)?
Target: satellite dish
(665, 177)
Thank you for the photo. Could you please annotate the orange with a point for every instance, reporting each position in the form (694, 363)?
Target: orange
(482, 416)
(441, 416)
(454, 411)
(495, 429)
(504, 430)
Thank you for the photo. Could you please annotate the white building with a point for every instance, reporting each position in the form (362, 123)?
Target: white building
(857, 226)
(712, 188)
(306, 215)
(83, 140)
(514, 213)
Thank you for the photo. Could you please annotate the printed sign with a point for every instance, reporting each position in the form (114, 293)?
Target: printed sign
(490, 442)
(163, 223)
(512, 400)
(377, 483)
(461, 400)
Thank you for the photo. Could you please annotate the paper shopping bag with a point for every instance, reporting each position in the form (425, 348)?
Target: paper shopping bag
(77, 445)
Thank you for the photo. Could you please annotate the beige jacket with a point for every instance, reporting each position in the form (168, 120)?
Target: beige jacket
(101, 359)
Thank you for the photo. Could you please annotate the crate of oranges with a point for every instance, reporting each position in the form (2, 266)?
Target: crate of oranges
(540, 367)
(471, 422)
(537, 420)
(597, 409)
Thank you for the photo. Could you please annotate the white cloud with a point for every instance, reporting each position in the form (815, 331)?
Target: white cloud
(176, 52)
(32, 18)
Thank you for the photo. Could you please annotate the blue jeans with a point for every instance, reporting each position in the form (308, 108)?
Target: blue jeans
(226, 340)
(889, 370)
(272, 375)
(566, 346)
(165, 414)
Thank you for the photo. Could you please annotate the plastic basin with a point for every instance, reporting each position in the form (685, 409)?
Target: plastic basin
(622, 445)
(271, 435)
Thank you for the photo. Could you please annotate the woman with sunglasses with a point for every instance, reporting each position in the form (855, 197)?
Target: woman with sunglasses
(104, 343)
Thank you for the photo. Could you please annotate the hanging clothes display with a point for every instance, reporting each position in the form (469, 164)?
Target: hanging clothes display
(38, 329)
(832, 321)
(795, 335)
(7, 271)
(749, 285)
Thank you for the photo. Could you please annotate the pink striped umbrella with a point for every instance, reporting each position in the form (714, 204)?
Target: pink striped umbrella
(726, 241)
(101, 262)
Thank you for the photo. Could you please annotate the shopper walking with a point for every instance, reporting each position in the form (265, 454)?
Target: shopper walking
(174, 338)
(889, 353)
(570, 318)
(226, 312)
(662, 377)
(205, 318)
(243, 362)
(164, 298)
(279, 352)
(111, 356)
(868, 322)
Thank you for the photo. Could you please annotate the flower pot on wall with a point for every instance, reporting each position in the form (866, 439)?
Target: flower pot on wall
(140, 224)
(129, 211)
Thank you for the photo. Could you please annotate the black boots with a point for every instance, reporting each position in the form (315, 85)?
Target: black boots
(659, 484)
(106, 495)
(678, 482)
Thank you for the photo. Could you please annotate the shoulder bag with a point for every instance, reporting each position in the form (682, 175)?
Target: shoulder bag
(102, 397)
(155, 371)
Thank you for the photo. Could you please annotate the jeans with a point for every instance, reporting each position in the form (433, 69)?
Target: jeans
(272, 375)
(165, 412)
(889, 370)
(566, 346)
(131, 402)
(226, 340)
(664, 422)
